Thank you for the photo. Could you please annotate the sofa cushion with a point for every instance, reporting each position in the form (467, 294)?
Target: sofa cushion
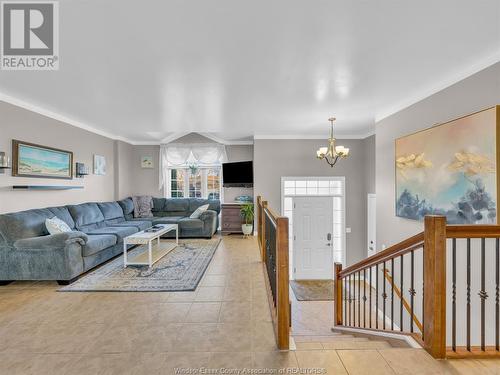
(97, 243)
(167, 220)
(63, 214)
(159, 204)
(139, 224)
(119, 232)
(188, 223)
(24, 224)
(56, 225)
(111, 211)
(213, 204)
(87, 216)
(177, 205)
(127, 206)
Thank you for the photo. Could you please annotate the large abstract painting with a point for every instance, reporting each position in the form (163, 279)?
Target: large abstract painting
(31, 160)
(451, 170)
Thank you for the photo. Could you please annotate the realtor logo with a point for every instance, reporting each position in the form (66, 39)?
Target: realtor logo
(30, 35)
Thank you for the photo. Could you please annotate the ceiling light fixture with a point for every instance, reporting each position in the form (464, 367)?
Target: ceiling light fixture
(332, 153)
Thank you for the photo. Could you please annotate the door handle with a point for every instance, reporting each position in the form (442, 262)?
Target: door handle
(371, 248)
(329, 237)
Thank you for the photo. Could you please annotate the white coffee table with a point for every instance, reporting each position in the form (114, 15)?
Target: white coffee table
(156, 251)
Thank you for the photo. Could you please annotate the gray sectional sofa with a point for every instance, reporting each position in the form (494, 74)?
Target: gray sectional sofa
(28, 252)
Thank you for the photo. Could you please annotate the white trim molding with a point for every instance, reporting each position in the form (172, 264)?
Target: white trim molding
(447, 81)
(309, 136)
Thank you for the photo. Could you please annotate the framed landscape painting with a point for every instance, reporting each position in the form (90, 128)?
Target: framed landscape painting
(451, 170)
(32, 160)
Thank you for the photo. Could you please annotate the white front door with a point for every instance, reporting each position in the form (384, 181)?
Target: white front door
(312, 244)
(372, 222)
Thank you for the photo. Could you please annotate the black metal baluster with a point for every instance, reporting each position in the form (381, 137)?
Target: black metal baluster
(392, 295)
(482, 294)
(497, 294)
(350, 300)
(364, 298)
(354, 302)
(412, 289)
(376, 295)
(402, 296)
(468, 294)
(370, 297)
(454, 295)
(359, 298)
(344, 286)
(384, 295)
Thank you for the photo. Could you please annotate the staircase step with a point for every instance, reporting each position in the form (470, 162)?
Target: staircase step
(327, 338)
(356, 345)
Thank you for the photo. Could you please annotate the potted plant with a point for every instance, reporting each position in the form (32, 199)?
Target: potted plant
(248, 215)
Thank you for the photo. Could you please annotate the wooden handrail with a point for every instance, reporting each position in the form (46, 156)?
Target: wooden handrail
(473, 231)
(394, 251)
(402, 298)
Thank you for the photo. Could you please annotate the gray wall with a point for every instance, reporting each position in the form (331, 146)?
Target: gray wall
(144, 181)
(479, 91)
(24, 125)
(274, 159)
(134, 180)
(123, 173)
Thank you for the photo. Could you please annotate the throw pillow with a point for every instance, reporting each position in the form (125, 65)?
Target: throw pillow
(56, 225)
(143, 206)
(197, 213)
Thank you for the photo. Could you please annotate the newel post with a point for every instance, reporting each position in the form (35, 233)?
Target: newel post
(435, 285)
(337, 312)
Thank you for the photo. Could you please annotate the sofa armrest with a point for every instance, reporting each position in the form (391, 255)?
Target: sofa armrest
(208, 215)
(52, 241)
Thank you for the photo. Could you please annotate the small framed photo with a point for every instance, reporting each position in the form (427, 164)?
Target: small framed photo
(99, 165)
(147, 162)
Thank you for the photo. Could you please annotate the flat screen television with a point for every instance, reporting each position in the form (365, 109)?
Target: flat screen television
(238, 174)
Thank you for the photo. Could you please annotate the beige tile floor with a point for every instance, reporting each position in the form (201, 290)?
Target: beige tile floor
(225, 323)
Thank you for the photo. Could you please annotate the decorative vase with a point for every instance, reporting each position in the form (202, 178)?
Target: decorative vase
(247, 229)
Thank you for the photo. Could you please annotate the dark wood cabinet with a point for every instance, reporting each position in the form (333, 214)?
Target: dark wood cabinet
(231, 218)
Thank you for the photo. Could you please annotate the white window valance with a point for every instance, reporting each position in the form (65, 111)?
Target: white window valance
(177, 155)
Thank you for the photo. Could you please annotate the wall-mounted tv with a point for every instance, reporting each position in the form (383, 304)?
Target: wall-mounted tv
(238, 174)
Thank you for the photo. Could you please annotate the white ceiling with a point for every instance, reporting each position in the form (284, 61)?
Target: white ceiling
(145, 70)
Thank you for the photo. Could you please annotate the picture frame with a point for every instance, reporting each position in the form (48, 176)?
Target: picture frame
(451, 169)
(147, 162)
(99, 165)
(38, 161)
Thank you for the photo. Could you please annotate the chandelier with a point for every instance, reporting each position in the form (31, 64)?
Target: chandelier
(332, 153)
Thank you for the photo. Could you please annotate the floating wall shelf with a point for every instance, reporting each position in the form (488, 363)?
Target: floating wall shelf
(45, 187)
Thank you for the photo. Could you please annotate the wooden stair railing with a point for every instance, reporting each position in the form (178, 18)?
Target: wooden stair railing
(273, 242)
(427, 289)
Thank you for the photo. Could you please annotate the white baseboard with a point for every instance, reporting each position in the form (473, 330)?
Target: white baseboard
(408, 339)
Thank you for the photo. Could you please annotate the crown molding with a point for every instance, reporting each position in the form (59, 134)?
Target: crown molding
(430, 90)
(78, 124)
(225, 141)
(310, 136)
(58, 117)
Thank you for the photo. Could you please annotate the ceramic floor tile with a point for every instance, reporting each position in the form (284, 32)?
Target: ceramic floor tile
(235, 312)
(412, 361)
(275, 360)
(327, 360)
(204, 312)
(209, 294)
(364, 362)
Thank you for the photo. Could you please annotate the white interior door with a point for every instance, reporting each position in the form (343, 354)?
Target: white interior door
(372, 222)
(312, 245)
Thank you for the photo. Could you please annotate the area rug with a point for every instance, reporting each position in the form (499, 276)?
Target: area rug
(312, 290)
(180, 270)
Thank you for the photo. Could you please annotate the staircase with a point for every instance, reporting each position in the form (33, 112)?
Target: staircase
(345, 341)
